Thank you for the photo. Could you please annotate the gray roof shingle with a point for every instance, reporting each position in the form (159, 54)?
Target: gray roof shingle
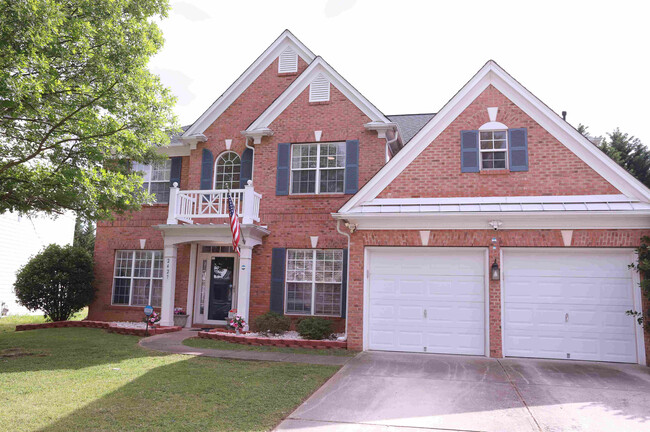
(410, 124)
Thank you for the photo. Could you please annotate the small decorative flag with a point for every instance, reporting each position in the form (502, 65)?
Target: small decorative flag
(234, 224)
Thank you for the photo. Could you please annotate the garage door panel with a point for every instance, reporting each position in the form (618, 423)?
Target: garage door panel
(559, 303)
(449, 285)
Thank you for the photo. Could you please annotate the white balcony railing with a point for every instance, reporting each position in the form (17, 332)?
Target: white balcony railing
(186, 205)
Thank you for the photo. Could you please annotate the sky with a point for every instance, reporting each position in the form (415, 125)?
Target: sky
(591, 58)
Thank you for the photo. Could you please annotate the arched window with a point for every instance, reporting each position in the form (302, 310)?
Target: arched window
(226, 171)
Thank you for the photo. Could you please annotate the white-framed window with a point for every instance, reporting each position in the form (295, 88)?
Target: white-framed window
(493, 146)
(156, 179)
(137, 279)
(227, 170)
(317, 168)
(314, 281)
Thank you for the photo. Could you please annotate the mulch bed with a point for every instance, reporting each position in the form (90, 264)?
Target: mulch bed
(111, 328)
(262, 341)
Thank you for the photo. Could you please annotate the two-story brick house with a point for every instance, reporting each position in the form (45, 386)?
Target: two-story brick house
(491, 228)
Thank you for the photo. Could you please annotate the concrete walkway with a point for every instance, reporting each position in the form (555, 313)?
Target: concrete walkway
(396, 392)
(173, 343)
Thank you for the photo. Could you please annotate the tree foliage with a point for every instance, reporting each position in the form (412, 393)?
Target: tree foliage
(57, 281)
(84, 235)
(77, 102)
(627, 151)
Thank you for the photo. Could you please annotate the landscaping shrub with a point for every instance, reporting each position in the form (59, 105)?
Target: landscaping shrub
(57, 281)
(272, 323)
(315, 328)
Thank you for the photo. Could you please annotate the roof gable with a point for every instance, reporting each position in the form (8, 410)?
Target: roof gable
(493, 74)
(316, 68)
(285, 40)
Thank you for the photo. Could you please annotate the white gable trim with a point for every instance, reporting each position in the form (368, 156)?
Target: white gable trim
(318, 66)
(286, 39)
(493, 74)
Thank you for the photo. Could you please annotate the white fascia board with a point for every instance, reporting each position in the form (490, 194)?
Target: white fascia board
(493, 74)
(480, 220)
(302, 82)
(247, 78)
(502, 200)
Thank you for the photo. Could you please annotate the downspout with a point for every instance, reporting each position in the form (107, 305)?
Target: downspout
(389, 143)
(347, 278)
(252, 160)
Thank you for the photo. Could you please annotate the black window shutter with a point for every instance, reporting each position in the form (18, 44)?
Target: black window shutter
(344, 284)
(246, 171)
(175, 175)
(207, 164)
(469, 154)
(351, 166)
(278, 256)
(518, 149)
(282, 177)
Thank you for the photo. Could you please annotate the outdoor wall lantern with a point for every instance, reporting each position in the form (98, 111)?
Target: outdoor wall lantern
(495, 273)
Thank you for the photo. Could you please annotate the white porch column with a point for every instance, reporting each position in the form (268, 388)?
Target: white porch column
(244, 281)
(171, 212)
(168, 286)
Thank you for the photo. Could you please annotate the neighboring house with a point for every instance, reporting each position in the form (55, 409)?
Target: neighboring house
(390, 226)
(21, 237)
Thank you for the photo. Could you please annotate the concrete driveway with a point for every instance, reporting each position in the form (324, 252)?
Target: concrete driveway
(403, 392)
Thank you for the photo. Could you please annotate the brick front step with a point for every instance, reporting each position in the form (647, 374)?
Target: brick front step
(111, 328)
(288, 343)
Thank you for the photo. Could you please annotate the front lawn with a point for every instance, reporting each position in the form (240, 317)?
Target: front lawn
(81, 379)
(223, 345)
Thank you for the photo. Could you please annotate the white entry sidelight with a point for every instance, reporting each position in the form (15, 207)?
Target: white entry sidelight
(426, 300)
(570, 304)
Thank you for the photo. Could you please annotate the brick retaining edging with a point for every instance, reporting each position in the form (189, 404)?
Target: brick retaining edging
(110, 327)
(262, 341)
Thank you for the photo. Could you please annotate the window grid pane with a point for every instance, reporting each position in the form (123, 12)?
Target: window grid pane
(227, 171)
(493, 148)
(317, 168)
(138, 278)
(325, 266)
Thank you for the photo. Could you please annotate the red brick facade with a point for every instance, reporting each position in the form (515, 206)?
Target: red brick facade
(291, 220)
(553, 168)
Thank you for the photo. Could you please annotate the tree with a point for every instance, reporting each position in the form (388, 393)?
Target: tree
(626, 150)
(77, 103)
(57, 281)
(84, 235)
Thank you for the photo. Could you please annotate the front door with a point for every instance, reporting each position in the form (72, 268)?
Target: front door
(221, 282)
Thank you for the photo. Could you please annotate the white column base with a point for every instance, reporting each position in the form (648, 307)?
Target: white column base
(169, 286)
(244, 281)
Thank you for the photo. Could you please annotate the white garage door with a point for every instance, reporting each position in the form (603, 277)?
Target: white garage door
(569, 304)
(427, 300)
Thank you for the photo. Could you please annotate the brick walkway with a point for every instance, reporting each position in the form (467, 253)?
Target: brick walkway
(173, 343)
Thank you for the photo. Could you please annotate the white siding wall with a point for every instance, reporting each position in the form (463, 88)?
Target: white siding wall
(20, 238)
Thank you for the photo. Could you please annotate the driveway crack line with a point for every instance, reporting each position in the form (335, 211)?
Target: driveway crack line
(519, 395)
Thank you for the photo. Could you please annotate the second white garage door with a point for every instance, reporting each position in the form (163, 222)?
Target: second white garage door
(426, 300)
(569, 304)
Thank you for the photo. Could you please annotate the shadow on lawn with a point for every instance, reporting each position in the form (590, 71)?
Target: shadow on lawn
(65, 348)
(200, 394)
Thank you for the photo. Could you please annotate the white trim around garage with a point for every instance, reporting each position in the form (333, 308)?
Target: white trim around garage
(636, 290)
(366, 286)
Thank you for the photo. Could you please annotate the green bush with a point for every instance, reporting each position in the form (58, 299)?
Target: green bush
(272, 323)
(315, 328)
(57, 281)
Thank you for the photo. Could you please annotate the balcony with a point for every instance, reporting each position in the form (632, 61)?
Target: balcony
(188, 205)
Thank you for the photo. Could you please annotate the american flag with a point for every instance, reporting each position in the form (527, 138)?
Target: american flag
(234, 225)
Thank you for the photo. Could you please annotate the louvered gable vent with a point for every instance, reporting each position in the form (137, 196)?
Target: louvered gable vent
(288, 61)
(319, 89)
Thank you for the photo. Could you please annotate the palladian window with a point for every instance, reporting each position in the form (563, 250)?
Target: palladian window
(226, 171)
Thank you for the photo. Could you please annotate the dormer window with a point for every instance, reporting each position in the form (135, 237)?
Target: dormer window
(494, 149)
(288, 61)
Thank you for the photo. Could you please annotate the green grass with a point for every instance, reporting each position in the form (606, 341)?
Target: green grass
(81, 379)
(223, 345)
(9, 323)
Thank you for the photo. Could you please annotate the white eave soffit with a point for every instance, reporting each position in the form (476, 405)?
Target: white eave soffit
(492, 73)
(286, 39)
(318, 66)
